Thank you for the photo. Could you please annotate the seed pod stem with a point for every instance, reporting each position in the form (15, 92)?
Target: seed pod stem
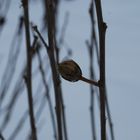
(89, 81)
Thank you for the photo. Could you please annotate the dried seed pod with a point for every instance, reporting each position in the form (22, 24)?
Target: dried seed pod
(70, 70)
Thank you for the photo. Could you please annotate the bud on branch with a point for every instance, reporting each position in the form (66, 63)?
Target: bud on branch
(71, 71)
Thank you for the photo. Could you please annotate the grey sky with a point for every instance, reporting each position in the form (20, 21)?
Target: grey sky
(122, 67)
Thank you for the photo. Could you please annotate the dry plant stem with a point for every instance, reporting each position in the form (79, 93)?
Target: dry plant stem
(92, 45)
(57, 59)
(89, 81)
(55, 76)
(64, 119)
(19, 86)
(102, 29)
(109, 116)
(47, 94)
(93, 36)
(63, 113)
(92, 94)
(29, 69)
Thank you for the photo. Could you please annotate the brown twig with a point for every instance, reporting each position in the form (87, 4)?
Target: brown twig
(61, 96)
(91, 46)
(18, 88)
(91, 11)
(102, 29)
(55, 76)
(29, 69)
(60, 43)
(21, 122)
(92, 82)
(47, 95)
(109, 117)
(56, 79)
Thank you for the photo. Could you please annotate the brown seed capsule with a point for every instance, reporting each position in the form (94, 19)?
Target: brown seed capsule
(70, 70)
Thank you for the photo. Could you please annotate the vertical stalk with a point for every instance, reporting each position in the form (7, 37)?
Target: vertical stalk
(47, 93)
(57, 49)
(56, 83)
(29, 69)
(109, 117)
(92, 94)
(102, 29)
(91, 44)
(56, 79)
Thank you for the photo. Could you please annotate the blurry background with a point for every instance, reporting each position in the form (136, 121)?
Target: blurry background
(73, 30)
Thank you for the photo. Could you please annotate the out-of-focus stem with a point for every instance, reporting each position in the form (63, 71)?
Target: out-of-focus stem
(29, 69)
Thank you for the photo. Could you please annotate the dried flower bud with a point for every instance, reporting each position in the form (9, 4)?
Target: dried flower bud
(70, 70)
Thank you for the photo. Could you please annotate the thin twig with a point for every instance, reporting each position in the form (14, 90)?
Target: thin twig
(12, 61)
(60, 42)
(41, 38)
(92, 45)
(18, 88)
(19, 126)
(89, 81)
(61, 97)
(29, 69)
(91, 11)
(47, 93)
(55, 76)
(102, 29)
(109, 116)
